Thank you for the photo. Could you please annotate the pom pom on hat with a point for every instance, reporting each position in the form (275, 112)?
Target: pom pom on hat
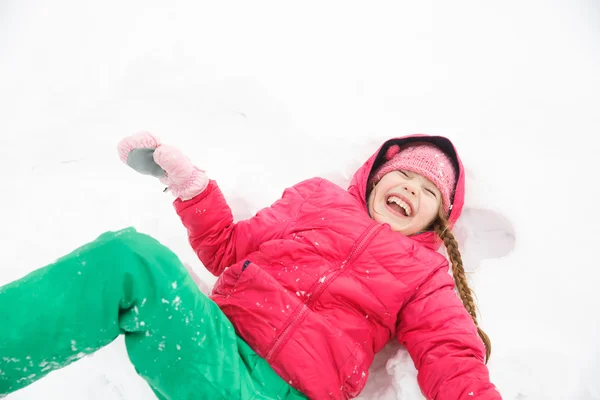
(425, 159)
(392, 151)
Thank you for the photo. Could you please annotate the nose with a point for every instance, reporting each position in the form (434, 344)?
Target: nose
(410, 189)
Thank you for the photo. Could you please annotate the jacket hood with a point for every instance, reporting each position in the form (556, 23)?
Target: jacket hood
(358, 185)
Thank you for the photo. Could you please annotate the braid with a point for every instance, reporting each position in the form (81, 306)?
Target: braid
(458, 272)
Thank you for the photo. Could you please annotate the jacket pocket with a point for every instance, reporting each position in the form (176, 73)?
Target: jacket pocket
(227, 282)
(255, 302)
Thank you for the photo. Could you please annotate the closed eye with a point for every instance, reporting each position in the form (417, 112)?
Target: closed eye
(404, 173)
(432, 192)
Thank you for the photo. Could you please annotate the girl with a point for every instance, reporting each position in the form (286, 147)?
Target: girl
(308, 289)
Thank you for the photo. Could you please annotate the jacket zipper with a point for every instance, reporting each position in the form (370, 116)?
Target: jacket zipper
(316, 291)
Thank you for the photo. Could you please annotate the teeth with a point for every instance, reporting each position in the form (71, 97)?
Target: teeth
(406, 207)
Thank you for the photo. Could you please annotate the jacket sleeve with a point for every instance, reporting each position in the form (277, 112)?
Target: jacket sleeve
(443, 343)
(219, 242)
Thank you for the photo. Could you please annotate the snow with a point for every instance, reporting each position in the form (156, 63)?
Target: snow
(263, 95)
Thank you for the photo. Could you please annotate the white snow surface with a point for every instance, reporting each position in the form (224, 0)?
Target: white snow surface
(265, 94)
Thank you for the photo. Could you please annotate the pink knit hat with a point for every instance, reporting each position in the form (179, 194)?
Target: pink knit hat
(425, 159)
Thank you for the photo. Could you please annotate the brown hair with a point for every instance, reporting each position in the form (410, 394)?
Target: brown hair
(442, 229)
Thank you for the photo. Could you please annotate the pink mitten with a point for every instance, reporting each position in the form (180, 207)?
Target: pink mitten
(141, 140)
(144, 153)
(183, 179)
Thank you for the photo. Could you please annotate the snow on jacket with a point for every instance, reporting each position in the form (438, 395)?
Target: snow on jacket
(317, 287)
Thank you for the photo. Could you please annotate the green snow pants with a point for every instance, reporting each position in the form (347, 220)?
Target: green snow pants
(126, 282)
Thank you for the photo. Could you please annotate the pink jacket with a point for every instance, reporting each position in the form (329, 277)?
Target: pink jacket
(316, 287)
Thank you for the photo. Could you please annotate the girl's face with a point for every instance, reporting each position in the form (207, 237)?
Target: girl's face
(405, 200)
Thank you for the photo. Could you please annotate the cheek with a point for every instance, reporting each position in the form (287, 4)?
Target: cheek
(371, 203)
(376, 195)
(430, 211)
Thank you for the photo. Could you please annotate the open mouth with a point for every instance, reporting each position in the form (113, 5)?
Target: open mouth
(399, 205)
